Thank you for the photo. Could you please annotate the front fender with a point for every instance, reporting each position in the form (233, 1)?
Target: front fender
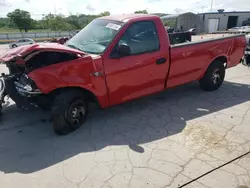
(75, 73)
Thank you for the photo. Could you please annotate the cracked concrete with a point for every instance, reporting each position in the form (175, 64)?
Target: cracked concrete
(172, 139)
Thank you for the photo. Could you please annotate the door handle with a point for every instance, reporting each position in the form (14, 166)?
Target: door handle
(161, 61)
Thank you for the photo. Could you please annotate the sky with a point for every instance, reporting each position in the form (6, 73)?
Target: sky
(37, 8)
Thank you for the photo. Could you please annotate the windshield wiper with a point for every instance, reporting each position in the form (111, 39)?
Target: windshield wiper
(73, 46)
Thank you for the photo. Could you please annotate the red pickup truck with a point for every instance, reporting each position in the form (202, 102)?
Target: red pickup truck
(112, 60)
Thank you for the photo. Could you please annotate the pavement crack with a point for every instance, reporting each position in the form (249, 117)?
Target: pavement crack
(177, 156)
(63, 173)
(198, 182)
(219, 167)
(150, 157)
(78, 184)
(129, 183)
(183, 168)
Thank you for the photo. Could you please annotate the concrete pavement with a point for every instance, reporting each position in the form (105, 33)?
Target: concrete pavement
(3, 48)
(183, 137)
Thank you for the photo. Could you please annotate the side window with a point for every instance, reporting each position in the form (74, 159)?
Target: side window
(141, 37)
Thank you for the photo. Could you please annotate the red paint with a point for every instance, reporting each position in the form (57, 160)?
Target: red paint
(22, 51)
(134, 76)
(189, 63)
(76, 73)
(137, 75)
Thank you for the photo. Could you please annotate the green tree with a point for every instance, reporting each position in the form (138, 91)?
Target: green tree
(21, 19)
(86, 19)
(74, 21)
(4, 22)
(141, 12)
(59, 23)
(106, 13)
(170, 23)
(47, 20)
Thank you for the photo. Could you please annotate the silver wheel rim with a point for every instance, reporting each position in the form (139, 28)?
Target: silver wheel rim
(216, 77)
(75, 113)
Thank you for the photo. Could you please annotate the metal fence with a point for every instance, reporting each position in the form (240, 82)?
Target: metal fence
(36, 35)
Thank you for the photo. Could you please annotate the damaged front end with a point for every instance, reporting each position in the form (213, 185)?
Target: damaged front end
(21, 89)
(18, 86)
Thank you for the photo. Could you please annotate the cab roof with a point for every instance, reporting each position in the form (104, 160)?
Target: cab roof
(128, 17)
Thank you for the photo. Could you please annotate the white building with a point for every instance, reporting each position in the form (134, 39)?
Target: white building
(183, 21)
(222, 21)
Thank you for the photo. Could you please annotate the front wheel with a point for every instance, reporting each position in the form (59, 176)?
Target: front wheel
(213, 77)
(69, 111)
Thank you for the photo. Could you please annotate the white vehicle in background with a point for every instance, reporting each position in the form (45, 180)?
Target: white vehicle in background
(247, 51)
(234, 29)
(21, 42)
(245, 29)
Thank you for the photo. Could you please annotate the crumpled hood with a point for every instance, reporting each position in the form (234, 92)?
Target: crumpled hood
(21, 51)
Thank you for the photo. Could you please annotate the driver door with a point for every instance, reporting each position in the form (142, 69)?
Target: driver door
(143, 71)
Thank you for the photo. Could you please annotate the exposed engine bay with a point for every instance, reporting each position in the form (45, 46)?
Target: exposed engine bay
(22, 89)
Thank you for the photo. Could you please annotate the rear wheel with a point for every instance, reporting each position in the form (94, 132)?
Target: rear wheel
(69, 111)
(14, 46)
(247, 59)
(213, 77)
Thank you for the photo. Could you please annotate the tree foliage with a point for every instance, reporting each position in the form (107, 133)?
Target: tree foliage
(106, 13)
(21, 19)
(4, 22)
(170, 23)
(141, 12)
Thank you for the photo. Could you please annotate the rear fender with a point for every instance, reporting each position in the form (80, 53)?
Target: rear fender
(223, 58)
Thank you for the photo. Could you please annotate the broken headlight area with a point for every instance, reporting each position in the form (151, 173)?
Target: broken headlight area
(22, 90)
(25, 86)
(2, 86)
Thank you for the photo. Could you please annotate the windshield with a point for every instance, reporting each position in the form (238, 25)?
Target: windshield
(96, 36)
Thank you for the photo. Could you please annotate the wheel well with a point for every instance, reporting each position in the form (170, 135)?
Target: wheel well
(88, 94)
(222, 59)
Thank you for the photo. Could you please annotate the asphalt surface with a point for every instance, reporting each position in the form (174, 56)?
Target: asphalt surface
(183, 137)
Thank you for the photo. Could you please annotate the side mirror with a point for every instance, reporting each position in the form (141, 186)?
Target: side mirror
(124, 50)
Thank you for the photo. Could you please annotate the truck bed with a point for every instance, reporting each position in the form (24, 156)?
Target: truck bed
(184, 57)
(205, 39)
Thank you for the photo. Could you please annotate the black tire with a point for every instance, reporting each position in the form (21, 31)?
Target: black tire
(213, 77)
(63, 112)
(247, 60)
(14, 46)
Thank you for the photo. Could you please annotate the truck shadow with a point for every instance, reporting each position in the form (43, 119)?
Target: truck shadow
(28, 143)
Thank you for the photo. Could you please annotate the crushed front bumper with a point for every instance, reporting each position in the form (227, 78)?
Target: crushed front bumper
(2, 93)
(19, 93)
